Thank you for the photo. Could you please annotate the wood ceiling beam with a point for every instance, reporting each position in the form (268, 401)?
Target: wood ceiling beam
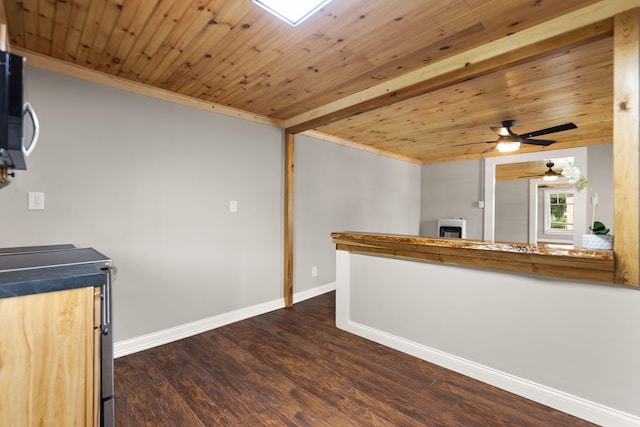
(582, 26)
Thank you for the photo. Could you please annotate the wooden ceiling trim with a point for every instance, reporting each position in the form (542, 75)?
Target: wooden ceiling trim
(384, 94)
(72, 70)
(359, 146)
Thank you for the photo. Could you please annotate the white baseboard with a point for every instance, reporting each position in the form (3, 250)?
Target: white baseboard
(154, 339)
(582, 408)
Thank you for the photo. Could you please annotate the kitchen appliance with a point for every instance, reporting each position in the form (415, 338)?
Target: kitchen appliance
(452, 228)
(19, 127)
(41, 257)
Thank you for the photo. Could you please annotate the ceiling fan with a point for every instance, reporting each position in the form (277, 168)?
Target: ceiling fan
(550, 174)
(509, 141)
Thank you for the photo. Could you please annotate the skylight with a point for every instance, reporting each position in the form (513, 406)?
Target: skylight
(292, 11)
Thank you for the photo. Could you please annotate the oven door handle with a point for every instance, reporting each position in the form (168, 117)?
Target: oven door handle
(106, 305)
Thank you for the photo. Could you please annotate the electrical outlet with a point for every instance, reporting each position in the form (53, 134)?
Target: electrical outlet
(233, 206)
(36, 201)
(314, 271)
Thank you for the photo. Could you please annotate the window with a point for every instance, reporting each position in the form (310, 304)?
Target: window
(558, 211)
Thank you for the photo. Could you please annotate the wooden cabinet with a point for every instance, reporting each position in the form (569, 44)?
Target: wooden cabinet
(49, 359)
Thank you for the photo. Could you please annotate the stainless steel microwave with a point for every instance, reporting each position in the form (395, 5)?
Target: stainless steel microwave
(19, 128)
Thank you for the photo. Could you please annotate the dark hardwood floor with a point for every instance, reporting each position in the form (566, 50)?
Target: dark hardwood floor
(294, 367)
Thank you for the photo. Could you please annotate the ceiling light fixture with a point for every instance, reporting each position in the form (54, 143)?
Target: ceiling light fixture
(550, 175)
(508, 144)
(292, 12)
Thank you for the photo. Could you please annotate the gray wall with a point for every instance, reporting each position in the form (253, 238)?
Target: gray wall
(512, 211)
(574, 337)
(600, 166)
(451, 190)
(342, 189)
(148, 183)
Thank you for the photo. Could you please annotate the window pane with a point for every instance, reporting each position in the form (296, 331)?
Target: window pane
(559, 211)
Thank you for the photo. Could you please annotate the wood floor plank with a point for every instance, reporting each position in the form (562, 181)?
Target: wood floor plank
(293, 367)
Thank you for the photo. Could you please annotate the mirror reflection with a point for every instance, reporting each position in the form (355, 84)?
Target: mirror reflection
(551, 221)
(535, 204)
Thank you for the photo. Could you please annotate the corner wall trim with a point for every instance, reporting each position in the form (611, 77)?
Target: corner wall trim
(165, 336)
(565, 402)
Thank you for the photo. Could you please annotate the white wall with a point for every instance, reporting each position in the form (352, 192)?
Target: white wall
(575, 345)
(342, 189)
(148, 183)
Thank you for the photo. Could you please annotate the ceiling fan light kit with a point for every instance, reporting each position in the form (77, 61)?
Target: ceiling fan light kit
(508, 146)
(550, 174)
(509, 141)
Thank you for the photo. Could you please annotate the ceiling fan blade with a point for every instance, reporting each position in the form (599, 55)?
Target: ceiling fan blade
(502, 131)
(464, 144)
(488, 150)
(543, 142)
(553, 129)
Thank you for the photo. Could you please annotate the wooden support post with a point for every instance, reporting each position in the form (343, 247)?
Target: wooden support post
(288, 218)
(4, 32)
(626, 146)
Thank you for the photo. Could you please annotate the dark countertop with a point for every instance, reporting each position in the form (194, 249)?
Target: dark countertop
(39, 269)
(29, 249)
(49, 279)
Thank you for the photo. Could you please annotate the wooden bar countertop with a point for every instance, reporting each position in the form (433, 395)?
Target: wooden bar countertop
(581, 264)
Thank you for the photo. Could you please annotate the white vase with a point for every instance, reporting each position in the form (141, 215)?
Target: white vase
(597, 241)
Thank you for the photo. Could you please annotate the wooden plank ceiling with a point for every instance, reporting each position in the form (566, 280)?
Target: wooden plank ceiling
(233, 53)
